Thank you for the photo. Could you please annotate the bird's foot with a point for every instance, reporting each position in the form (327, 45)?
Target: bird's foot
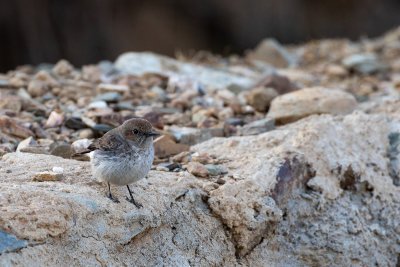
(131, 200)
(113, 199)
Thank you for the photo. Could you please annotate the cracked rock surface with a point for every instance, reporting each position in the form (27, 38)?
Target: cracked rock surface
(256, 165)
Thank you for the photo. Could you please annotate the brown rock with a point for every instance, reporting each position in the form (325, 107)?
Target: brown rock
(280, 83)
(11, 102)
(61, 150)
(12, 127)
(155, 118)
(63, 68)
(47, 177)
(37, 88)
(181, 157)
(30, 145)
(315, 100)
(197, 169)
(270, 51)
(260, 98)
(164, 146)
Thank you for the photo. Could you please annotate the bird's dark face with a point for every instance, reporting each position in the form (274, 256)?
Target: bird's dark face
(139, 131)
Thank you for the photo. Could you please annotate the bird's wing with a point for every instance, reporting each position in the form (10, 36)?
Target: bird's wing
(106, 143)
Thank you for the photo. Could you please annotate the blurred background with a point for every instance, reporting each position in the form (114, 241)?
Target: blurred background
(88, 31)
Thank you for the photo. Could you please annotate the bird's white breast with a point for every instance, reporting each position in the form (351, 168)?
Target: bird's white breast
(122, 168)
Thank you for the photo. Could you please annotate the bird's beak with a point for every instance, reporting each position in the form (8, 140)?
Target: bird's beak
(153, 133)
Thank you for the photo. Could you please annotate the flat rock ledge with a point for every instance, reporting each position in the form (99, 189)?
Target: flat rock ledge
(315, 192)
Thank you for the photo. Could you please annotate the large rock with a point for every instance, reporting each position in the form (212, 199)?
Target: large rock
(272, 52)
(141, 63)
(316, 100)
(312, 193)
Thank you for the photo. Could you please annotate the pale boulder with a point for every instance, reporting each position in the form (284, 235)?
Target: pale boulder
(315, 100)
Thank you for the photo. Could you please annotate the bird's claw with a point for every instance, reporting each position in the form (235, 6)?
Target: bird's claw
(131, 200)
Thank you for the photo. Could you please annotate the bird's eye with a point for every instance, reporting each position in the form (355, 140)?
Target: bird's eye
(135, 131)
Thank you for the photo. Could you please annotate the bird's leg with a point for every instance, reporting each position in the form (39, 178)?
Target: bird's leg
(132, 200)
(110, 196)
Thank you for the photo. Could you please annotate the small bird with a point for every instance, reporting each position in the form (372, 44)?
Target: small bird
(124, 155)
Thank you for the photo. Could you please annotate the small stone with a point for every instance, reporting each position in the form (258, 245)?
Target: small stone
(172, 165)
(315, 100)
(203, 159)
(220, 181)
(192, 136)
(58, 169)
(98, 104)
(23, 93)
(102, 128)
(225, 113)
(86, 133)
(61, 150)
(364, 63)
(47, 177)
(110, 97)
(29, 145)
(104, 87)
(197, 169)
(181, 157)
(164, 146)
(114, 119)
(272, 52)
(162, 168)
(80, 145)
(63, 68)
(12, 127)
(75, 123)
(11, 102)
(55, 119)
(260, 98)
(234, 121)
(6, 148)
(281, 84)
(155, 118)
(213, 170)
(37, 88)
(257, 127)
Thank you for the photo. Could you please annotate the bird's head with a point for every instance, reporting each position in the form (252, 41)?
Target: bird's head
(139, 131)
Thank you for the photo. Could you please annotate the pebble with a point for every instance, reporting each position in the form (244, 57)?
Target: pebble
(55, 119)
(98, 104)
(75, 123)
(30, 145)
(164, 146)
(102, 128)
(364, 63)
(58, 169)
(213, 170)
(260, 98)
(47, 177)
(281, 84)
(103, 87)
(192, 136)
(257, 127)
(272, 52)
(110, 97)
(12, 127)
(197, 169)
(86, 133)
(63, 150)
(315, 100)
(172, 165)
(63, 68)
(80, 145)
(37, 88)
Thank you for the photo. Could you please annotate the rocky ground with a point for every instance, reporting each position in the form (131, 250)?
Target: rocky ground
(287, 156)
